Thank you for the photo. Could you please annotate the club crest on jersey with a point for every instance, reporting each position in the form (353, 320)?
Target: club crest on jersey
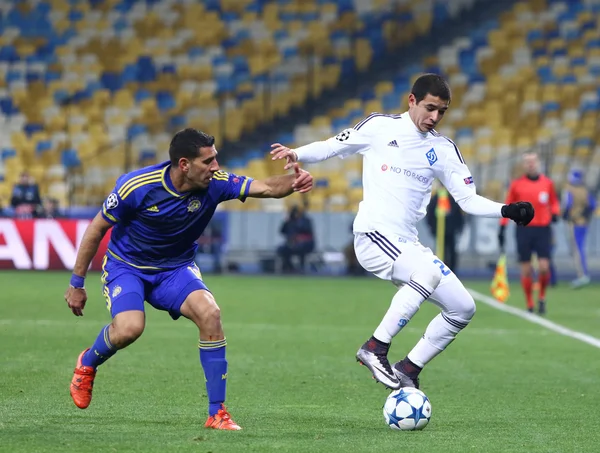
(116, 291)
(431, 156)
(193, 205)
(468, 180)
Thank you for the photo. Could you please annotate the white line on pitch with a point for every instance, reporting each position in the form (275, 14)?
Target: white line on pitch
(562, 330)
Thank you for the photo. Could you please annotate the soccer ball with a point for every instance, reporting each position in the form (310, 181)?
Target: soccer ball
(407, 409)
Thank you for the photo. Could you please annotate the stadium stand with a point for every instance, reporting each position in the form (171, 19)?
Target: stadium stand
(525, 80)
(88, 88)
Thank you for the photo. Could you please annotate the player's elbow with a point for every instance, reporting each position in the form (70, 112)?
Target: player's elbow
(99, 226)
(465, 204)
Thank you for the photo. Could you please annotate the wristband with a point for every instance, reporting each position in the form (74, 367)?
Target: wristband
(77, 281)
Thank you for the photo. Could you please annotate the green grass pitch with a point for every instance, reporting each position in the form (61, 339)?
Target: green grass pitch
(505, 385)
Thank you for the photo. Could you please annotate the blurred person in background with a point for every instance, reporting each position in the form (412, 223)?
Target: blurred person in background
(50, 209)
(299, 239)
(536, 237)
(579, 205)
(211, 243)
(353, 267)
(455, 222)
(25, 198)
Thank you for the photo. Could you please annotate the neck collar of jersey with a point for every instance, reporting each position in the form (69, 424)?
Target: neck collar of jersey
(168, 184)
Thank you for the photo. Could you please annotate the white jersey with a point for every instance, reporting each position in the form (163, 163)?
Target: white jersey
(400, 164)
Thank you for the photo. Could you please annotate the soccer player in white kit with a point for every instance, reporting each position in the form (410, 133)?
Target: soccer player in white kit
(402, 155)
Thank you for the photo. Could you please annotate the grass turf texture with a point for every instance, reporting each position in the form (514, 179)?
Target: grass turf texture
(505, 385)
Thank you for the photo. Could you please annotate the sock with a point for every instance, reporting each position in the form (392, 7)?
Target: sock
(214, 364)
(544, 279)
(100, 352)
(405, 304)
(441, 331)
(409, 368)
(374, 345)
(527, 284)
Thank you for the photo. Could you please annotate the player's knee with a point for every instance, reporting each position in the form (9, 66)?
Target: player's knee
(460, 306)
(212, 315)
(429, 277)
(127, 327)
(467, 308)
(526, 270)
(544, 265)
(203, 310)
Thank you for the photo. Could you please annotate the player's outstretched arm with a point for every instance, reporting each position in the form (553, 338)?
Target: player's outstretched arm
(282, 185)
(76, 296)
(348, 142)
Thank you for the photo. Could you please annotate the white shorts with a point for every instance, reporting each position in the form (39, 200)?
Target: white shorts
(393, 258)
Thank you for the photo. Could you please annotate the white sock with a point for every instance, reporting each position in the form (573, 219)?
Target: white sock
(405, 304)
(440, 332)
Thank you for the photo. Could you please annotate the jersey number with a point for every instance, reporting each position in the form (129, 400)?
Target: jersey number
(442, 266)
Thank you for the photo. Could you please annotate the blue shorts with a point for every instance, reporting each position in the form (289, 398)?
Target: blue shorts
(536, 239)
(126, 287)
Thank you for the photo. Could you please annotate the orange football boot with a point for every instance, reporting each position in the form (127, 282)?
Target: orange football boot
(82, 383)
(222, 420)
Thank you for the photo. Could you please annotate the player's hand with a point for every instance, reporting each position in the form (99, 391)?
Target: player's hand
(521, 212)
(283, 152)
(76, 299)
(304, 180)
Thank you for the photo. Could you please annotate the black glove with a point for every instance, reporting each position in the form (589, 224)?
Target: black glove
(521, 212)
(501, 234)
(554, 218)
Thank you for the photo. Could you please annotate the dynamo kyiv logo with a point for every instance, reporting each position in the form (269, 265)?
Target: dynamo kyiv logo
(431, 156)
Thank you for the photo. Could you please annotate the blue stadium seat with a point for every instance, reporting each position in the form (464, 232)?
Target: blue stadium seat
(32, 128)
(8, 153)
(165, 101)
(112, 81)
(70, 159)
(142, 94)
(136, 130)
(146, 154)
(43, 146)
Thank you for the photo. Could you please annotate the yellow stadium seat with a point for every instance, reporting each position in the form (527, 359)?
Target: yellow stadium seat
(374, 105)
(364, 54)
(318, 121)
(383, 88)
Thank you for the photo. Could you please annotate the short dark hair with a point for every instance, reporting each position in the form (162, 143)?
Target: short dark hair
(187, 143)
(432, 84)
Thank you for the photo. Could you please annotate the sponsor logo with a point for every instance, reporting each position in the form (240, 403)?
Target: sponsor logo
(407, 173)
